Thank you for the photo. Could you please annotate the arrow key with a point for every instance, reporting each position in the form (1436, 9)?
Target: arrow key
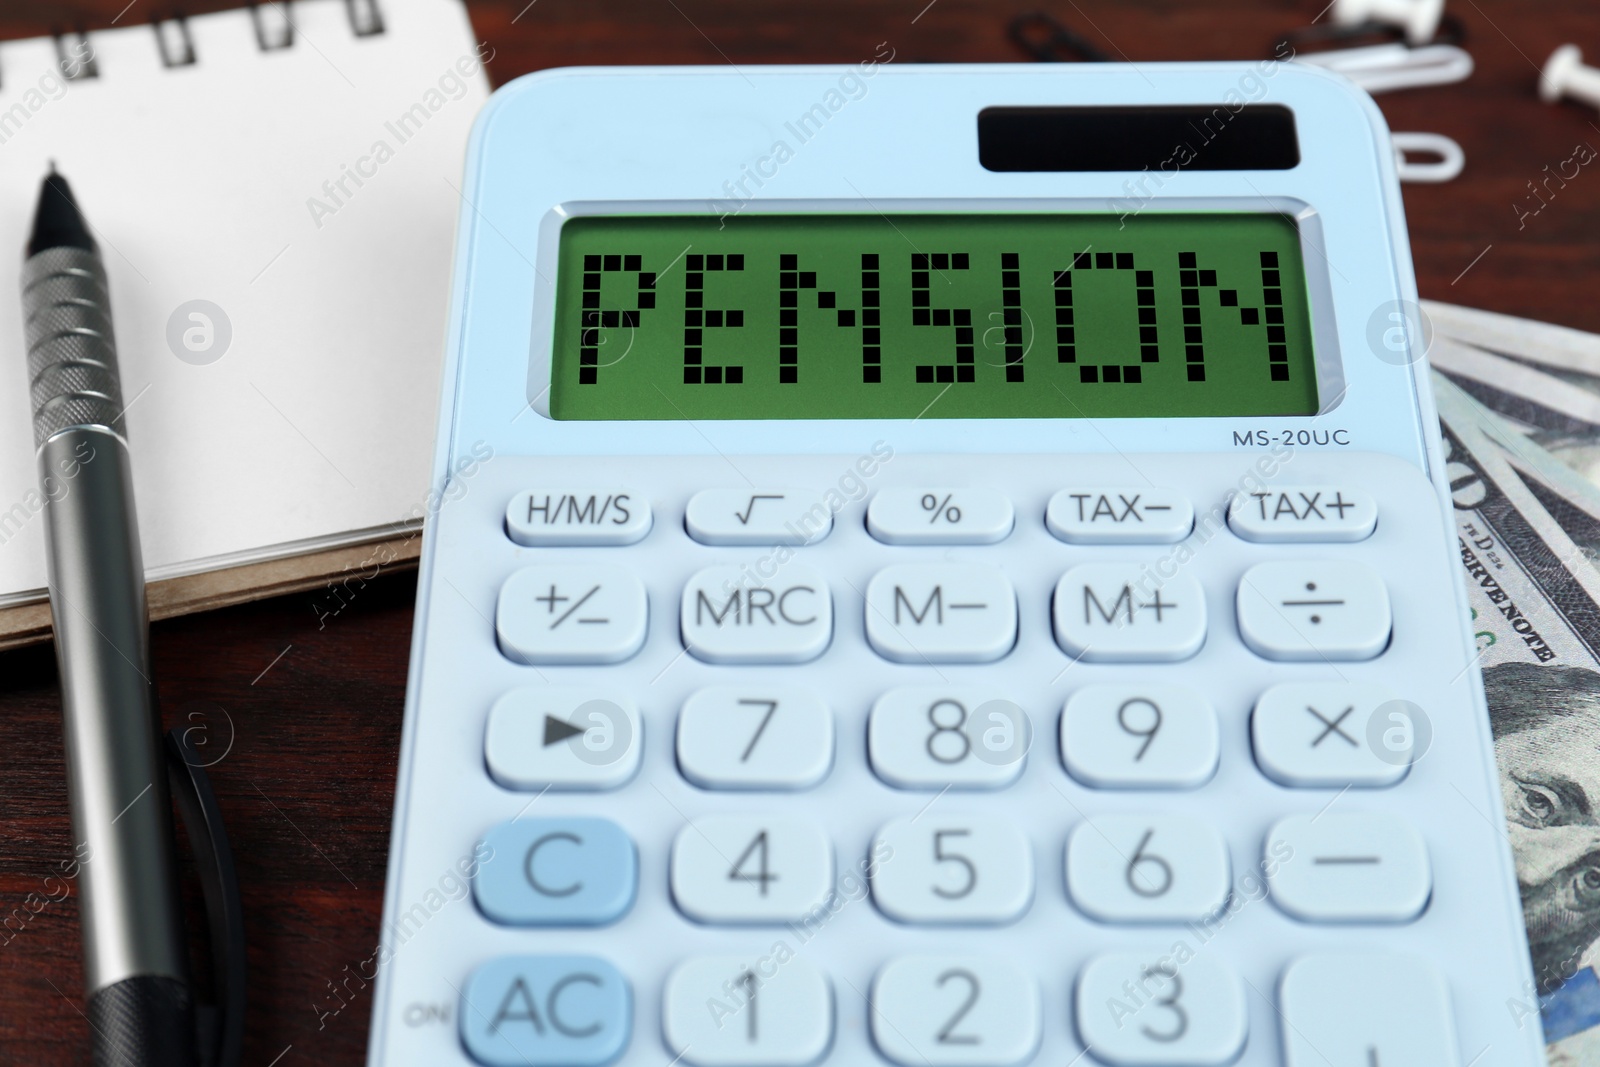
(562, 737)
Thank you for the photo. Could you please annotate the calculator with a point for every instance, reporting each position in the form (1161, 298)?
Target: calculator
(942, 566)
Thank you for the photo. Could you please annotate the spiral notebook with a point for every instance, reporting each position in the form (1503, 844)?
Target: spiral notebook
(274, 191)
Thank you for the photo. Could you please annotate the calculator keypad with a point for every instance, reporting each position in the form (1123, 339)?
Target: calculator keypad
(751, 869)
(571, 613)
(1126, 516)
(1147, 868)
(519, 1010)
(955, 1011)
(1182, 1014)
(567, 517)
(1303, 514)
(1347, 866)
(1365, 1008)
(1331, 734)
(1119, 613)
(763, 516)
(557, 872)
(953, 869)
(728, 616)
(914, 516)
(802, 820)
(1155, 736)
(944, 737)
(731, 1011)
(1314, 611)
(751, 737)
(941, 613)
(562, 737)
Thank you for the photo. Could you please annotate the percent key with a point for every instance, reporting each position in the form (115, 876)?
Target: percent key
(929, 516)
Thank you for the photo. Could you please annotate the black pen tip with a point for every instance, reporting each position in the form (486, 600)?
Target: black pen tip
(57, 222)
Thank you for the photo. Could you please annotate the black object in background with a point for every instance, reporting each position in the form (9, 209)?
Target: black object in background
(1048, 41)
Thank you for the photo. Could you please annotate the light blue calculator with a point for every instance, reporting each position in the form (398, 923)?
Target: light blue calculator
(942, 567)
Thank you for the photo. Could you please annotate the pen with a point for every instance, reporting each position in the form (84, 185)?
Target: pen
(136, 974)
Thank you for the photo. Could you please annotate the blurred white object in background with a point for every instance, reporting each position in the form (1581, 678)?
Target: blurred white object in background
(1410, 157)
(1382, 68)
(1418, 18)
(1565, 74)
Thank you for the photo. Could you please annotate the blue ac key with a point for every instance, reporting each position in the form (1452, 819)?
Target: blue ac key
(549, 1011)
(557, 872)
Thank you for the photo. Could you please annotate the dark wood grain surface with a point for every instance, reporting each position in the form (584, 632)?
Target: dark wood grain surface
(309, 714)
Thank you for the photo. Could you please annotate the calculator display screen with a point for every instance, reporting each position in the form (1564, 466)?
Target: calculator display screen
(900, 316)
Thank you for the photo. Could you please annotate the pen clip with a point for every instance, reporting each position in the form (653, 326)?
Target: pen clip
(220, 1025)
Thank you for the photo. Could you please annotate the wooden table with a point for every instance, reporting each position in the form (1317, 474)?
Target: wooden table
(313, 713)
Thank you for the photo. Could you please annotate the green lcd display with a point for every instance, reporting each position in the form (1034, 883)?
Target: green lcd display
(901, 316)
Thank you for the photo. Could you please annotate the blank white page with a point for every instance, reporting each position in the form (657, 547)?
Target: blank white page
(315, 426)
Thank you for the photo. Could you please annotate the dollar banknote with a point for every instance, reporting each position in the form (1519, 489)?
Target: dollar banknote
(1544, 380)
(1529, 535)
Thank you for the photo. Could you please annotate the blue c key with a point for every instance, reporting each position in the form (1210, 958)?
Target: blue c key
(557, 872)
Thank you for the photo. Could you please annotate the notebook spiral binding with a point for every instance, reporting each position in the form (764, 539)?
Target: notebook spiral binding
(75, 56)
(366, 20)
(77, 62)
(281, 32)
(173, 41)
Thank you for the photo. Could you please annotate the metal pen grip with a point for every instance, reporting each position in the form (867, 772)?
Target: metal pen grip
(116, 778)
(72, 357)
